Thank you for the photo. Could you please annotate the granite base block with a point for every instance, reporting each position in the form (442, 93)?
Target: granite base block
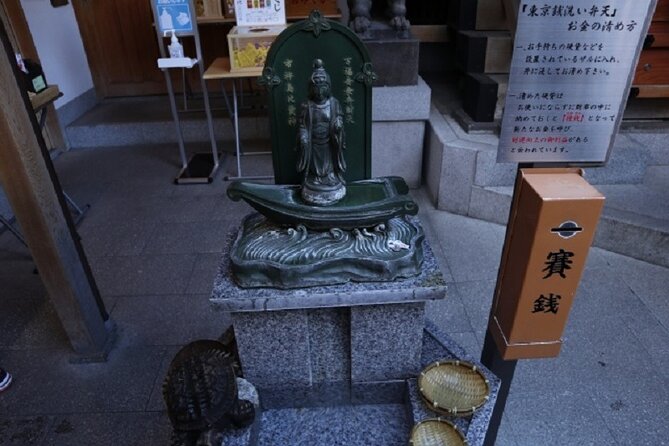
(317, 395)
(377, 413)
(395, 59)
(439, 346)
(385, 341)
(295, 349)
(274, 347)
(381, 392)
(329, 345)
(363, 425)
(249, 435)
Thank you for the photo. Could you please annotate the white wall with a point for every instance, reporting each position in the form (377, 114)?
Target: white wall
(60, 48)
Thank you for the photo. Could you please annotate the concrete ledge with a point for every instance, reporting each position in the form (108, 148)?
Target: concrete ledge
(404, 103)
(451, 160)
(623, 232)
(397, 149)
(76, 107)
(162, 132)
(491, 204)
(626, 233)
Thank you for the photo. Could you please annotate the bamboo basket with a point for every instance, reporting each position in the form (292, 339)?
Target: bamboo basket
(436, 432)
(453, 387)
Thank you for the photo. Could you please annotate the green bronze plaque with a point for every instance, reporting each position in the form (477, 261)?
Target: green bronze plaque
(286, 75)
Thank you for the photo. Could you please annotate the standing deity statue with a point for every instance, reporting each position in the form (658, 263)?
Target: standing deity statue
(321, 142)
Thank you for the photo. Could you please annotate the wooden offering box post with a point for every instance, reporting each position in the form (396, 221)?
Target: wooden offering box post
(552, 226)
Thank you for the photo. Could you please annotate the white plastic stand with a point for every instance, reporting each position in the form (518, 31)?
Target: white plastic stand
(201, 167)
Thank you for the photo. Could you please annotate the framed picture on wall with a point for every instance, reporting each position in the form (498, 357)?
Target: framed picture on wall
(260, 12)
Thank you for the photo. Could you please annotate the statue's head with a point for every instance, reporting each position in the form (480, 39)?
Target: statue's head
(319, 83)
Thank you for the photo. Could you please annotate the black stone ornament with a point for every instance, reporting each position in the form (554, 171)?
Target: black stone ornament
(200, 392)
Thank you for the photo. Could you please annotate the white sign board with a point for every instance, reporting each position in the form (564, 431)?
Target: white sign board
(573, 64)
(174, 15)
(260, 12)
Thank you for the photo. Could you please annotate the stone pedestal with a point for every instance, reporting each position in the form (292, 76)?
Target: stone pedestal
(325, 345)
(395, 59)
(399, 115)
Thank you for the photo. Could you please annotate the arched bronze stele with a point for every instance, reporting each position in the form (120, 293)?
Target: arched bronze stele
(286, 75)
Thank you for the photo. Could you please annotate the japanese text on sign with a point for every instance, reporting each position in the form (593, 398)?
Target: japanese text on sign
(260, 12)
(291, 105)
(571, 70)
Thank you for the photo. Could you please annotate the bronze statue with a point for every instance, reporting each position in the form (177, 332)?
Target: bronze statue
(321, 142)
(361, 15)
(313, 228)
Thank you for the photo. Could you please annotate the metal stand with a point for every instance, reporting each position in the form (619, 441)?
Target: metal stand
(238, 150)
(201, 167)
(78, 212)
(41, 111)
(490, 356)
(8, 224)
(504, 370)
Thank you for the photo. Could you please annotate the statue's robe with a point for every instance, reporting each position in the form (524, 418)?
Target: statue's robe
(321, 156)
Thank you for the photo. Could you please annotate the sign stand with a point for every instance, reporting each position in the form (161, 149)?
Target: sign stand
(178, 16)
(572, 68)
(490, 355)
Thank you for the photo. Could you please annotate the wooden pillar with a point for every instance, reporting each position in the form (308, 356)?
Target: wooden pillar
(33, 191)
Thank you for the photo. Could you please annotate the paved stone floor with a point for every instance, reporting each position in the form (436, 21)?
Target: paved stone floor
(153, 247)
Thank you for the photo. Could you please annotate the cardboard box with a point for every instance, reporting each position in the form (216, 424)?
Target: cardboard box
(249, 46)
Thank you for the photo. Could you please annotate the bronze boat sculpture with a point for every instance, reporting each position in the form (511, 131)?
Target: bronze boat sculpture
(367, 203)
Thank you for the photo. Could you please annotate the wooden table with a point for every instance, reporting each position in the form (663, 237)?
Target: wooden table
(40, 101)
(220, 70)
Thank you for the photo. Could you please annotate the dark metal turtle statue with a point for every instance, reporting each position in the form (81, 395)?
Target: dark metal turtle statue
(200, 392)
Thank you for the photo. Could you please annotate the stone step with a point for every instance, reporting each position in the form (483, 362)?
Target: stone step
(655, 145)
(627, 165)
(657, 178)
(635, 221)
(139, 121)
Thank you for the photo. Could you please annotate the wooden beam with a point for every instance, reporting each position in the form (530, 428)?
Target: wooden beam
(653, 67)
(658, 36)
(33, 191)
(430, 33)
(650, 91)
(662, 11)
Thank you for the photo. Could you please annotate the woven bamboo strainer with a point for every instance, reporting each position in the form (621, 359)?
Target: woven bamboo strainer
(436, 432)
(453, 387)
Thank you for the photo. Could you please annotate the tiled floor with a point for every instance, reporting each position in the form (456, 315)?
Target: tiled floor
(153, 249)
